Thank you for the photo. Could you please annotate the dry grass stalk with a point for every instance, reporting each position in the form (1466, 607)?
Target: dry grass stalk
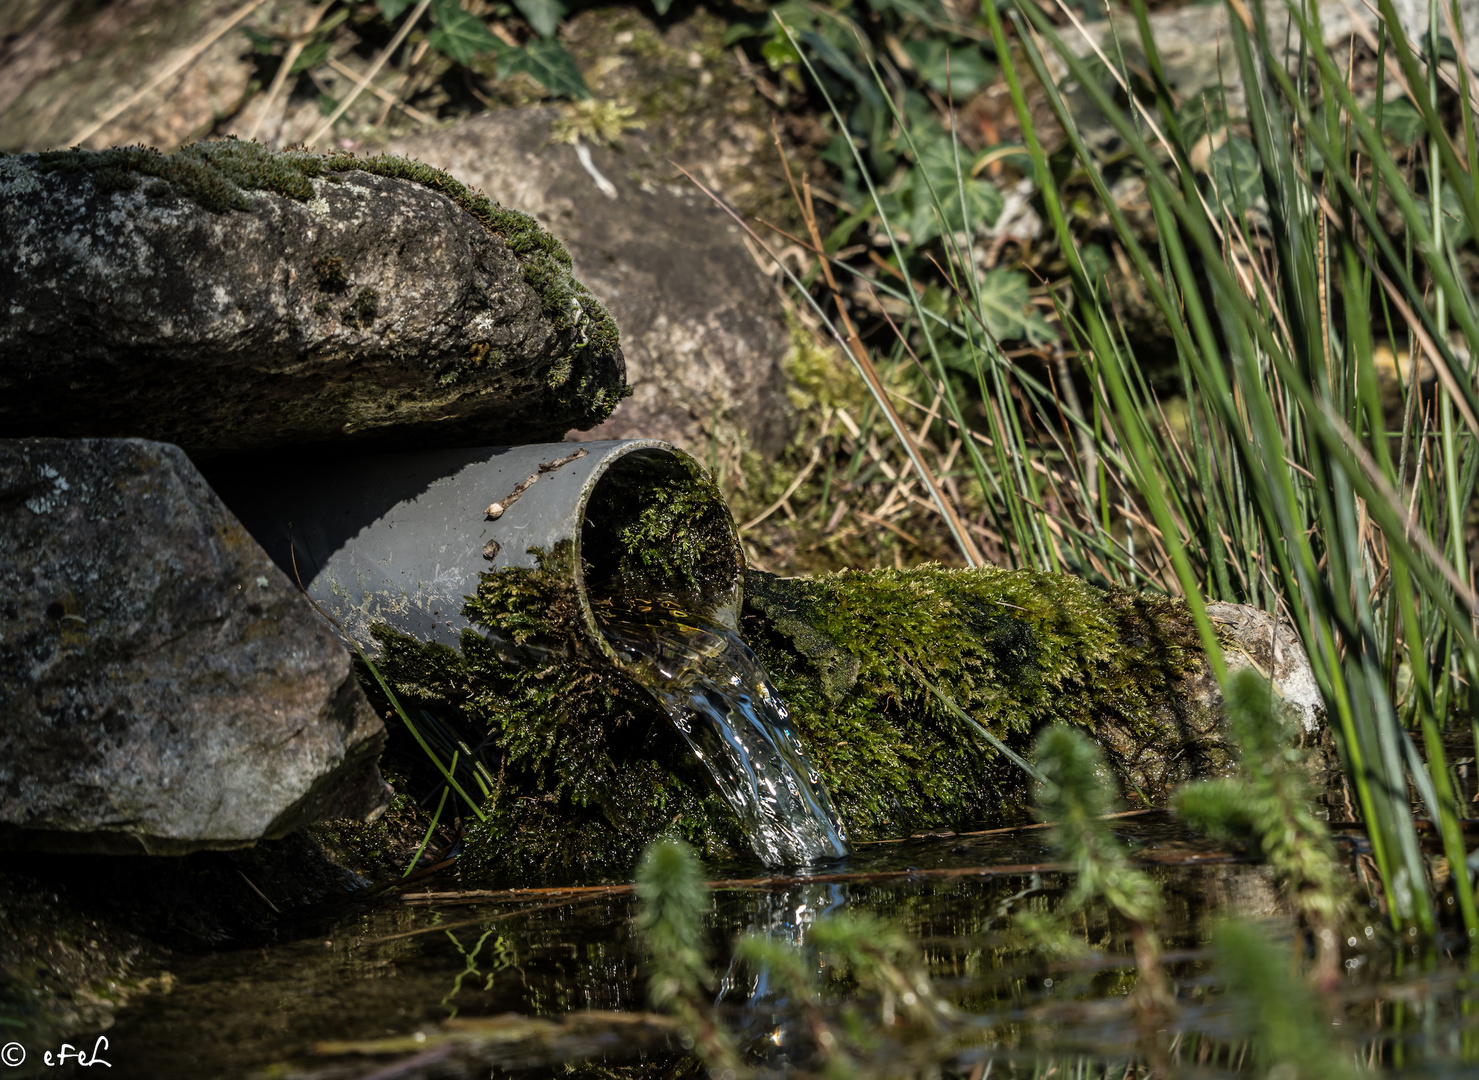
(371, 71)
(295, 50)
(188, 57)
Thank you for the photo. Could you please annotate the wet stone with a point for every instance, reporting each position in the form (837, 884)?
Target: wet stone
(163, 686)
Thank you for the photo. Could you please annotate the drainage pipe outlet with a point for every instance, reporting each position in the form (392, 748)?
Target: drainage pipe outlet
(401, 539)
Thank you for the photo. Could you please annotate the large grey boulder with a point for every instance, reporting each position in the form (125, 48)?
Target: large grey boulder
(163, 686)
(228, 298)
(703, 331)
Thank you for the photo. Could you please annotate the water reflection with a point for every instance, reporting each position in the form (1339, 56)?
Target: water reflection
(386, 972)
(764, 1018)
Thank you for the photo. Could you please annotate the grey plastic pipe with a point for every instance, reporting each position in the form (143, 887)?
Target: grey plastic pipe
(401, 538)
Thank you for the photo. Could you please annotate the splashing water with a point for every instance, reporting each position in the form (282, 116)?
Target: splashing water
(733, 720)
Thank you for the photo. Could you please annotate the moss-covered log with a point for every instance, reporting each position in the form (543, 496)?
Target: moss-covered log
(877, 669)
(227, 297)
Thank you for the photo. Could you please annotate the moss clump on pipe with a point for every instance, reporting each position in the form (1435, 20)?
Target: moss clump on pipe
(218, 174)
(591, 772)
(863, 660)
(657, 525)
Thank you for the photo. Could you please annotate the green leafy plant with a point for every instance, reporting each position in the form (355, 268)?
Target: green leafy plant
(1290, 1029)
(1288, 490)
(450, 36)
(1290, 247)
(673, 900)
(882, 966)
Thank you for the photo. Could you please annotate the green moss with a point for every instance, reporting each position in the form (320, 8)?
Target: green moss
(858, 658)
(658, 526)
(330, 273)
(363, 310)
(590, 772)
(816, 375)
(378, 850)
(218, 174)
(479, 356)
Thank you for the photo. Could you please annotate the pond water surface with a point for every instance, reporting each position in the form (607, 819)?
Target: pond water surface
(405, 973)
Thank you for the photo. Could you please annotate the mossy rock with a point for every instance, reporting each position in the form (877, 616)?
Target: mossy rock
(867, 660)
(235, 298)
(589, 771)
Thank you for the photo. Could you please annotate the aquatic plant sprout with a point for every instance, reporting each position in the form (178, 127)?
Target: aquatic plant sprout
(673, 900)
(1269, 803)
(1075, 794)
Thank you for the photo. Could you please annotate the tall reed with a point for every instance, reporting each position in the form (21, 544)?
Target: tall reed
(1279, 273)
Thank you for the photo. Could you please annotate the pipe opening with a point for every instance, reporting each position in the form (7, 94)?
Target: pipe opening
(656, 528)
(662, 572)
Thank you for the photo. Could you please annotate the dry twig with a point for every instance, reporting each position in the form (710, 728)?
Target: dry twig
(371, 71)
(187, 58)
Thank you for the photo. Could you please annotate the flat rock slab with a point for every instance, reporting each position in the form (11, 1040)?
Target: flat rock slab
(228, 298)
(163, 686)
(703, 332)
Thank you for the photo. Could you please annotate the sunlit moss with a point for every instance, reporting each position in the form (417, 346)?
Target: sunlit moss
(592, 771)
(859, 658)
(816, 375)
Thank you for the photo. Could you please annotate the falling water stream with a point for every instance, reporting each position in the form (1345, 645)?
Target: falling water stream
(724, 706)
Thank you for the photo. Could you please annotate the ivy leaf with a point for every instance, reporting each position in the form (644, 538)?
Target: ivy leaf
(960, 71)
(392, 9)
(1206, 114)
(547, 63)
(544, 15)
(1007, 310)
(261, 43)
(1239, 176)
(739, 31)
(1401, 120)
(1455, 225)
(908, 9)
(779, 52)
(460, 34)
(311, 56)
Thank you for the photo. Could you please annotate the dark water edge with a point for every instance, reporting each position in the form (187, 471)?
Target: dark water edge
(390, 970)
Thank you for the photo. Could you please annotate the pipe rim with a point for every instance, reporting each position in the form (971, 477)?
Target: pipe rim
(727, 611)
